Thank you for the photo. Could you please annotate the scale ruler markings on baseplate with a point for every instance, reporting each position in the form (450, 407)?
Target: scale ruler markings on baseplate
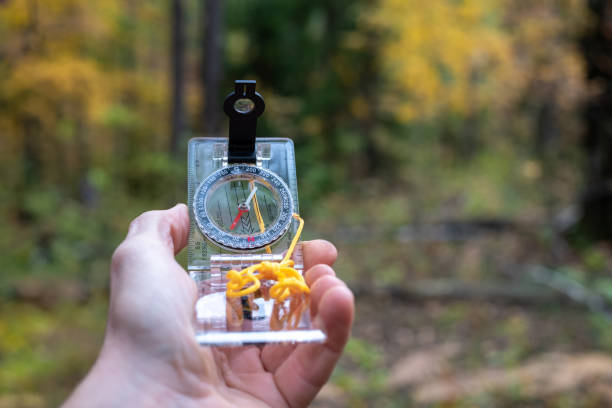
(292, 179)
(190, 181)
(198, 247)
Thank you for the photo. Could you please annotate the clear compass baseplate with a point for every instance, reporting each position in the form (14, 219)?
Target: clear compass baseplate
(209, 261)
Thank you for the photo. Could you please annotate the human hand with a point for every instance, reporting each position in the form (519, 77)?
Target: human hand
(150, 356)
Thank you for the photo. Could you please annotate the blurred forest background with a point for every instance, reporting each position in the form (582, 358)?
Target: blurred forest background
(457, 152)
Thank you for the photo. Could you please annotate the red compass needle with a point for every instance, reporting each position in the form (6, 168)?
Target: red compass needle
(240, 212)
(243, 208)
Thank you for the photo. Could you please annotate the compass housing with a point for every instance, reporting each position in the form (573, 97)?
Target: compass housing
(232, 239)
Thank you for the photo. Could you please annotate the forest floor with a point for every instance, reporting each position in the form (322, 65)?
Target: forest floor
(470, 353)
(476, 324)
(447, 315)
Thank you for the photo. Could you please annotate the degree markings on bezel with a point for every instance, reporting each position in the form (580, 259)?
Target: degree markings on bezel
(253, 241)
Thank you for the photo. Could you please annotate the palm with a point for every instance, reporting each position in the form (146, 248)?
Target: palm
(250, 373)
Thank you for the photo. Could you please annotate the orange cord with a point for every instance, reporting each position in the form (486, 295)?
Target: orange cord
(289, 282)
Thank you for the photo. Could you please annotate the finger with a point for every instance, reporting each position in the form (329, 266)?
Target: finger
(243, 359)
(170, 227)
(148, 251)
(318, 252)
(319, 289)
(316, 272)
(336, 314)
(273, 355)
(303, 373)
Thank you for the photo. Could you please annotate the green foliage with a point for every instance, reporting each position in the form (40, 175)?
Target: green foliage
(368, 359)
(38, 347)
(603, 330)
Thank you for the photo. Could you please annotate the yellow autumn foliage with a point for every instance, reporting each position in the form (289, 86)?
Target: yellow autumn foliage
(42, 87)
(77, 79)
(54, 27)
(464, 56)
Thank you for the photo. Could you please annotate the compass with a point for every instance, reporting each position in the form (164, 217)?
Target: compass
(243, 207)
(244, 252)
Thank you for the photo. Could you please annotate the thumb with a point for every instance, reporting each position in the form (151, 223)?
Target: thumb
(147, 253)
(146, 280)
(170, 227)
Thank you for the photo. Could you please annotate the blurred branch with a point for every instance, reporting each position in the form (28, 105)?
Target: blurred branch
(572, 289)
(551, 288)
(443, 231)
(453, 289)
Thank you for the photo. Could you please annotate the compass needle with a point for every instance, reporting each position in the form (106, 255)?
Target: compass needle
(240, 212)
(248, 200)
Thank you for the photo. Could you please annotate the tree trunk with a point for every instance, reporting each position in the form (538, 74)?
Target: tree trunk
(178, 76)
(212, 64)
(597, 201)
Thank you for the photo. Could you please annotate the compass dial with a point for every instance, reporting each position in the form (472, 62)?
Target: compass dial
(243, 207)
